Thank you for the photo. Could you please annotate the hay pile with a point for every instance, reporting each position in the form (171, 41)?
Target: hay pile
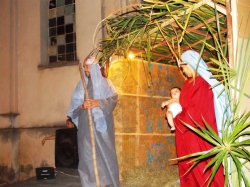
(145, 176)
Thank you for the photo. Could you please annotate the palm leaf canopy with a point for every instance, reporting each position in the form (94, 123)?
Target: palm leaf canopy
(159, 30)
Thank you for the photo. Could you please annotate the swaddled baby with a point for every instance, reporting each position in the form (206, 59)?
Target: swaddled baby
(173, 106)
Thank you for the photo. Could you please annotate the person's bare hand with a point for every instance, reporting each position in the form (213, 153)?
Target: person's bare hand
(69, 124)
(164, 104)
(90, 103)
(51, 137)
(43, 141)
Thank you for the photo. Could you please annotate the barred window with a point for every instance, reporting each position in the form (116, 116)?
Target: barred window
(61, 31)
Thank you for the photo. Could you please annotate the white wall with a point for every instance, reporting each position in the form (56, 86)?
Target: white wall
(41, 96)
(243, 37)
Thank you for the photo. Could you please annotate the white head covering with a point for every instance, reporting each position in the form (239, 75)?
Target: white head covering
(90, 60)
(102, 89)
(222, 110)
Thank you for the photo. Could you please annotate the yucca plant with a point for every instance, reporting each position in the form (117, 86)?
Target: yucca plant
(159, 31)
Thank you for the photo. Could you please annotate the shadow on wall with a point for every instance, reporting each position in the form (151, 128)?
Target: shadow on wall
(6, 174)
(22, 151)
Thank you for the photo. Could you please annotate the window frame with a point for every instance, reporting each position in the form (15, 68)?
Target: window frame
(44, 40)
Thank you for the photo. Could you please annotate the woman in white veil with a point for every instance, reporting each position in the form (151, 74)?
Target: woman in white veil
(201, 100)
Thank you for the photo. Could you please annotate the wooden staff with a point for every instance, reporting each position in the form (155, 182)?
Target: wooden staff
(91, 129)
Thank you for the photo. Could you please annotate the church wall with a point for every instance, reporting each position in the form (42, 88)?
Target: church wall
(5, 57)
(34, 99)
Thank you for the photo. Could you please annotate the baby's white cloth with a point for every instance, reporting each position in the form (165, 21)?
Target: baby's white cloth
(175, 108)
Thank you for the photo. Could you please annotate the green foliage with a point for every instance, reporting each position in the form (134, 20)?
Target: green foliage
(226, 148)
(155, 29)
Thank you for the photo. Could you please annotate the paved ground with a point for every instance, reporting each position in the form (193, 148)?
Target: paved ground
(64, 178)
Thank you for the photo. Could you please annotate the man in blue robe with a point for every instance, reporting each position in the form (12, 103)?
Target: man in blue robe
(102, 101)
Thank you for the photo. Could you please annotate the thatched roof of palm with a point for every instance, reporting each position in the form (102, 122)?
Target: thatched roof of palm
(159, 30)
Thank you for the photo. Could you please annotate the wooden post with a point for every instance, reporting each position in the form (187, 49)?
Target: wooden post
(91, 129)
(230, 34)
(233, 178)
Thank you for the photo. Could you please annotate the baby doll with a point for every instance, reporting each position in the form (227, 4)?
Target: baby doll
(173, 106)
